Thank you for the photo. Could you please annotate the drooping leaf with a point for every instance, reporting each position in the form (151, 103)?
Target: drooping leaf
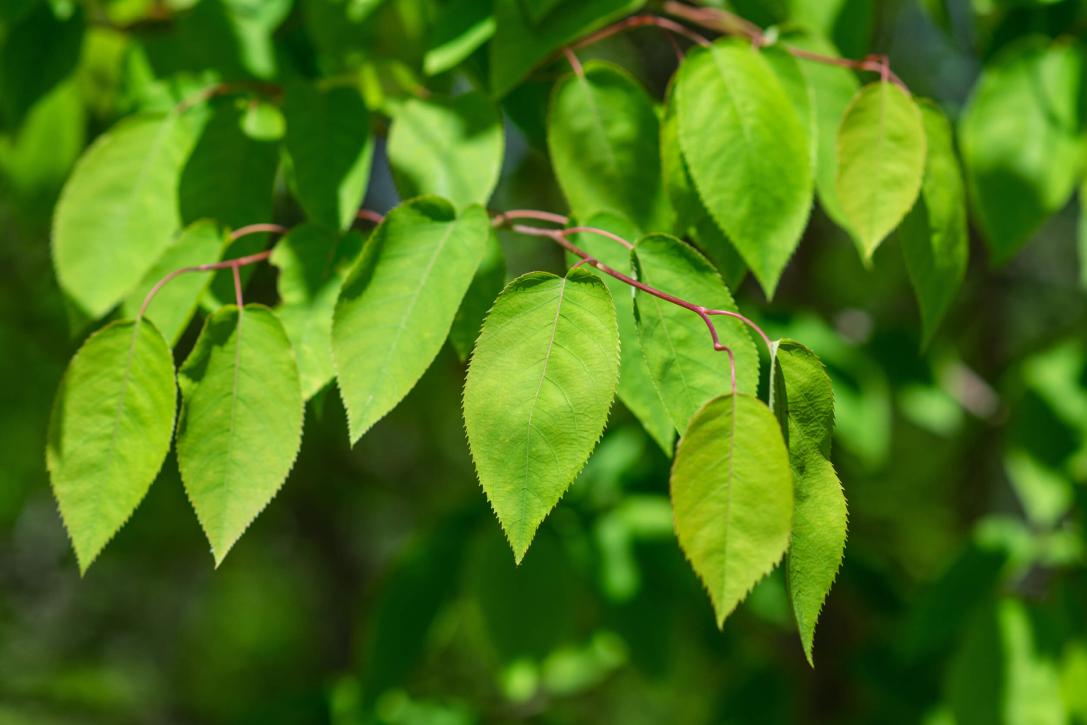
(636, 388)
(241, 420)
(330, 147)
(603, 133)
(487, 283)
(450, 147)
(537, 394)
(225, 150)
(460, 27)
(118, 212)
(174, 304)
(397, 306)
(110, 431)
(747, 152)
(676, 343)
(732, 494)
(313, 261)
(881, 159)
(1020, 139)
(794, 82)
(803, 401)
(519, 44)
(933, 234)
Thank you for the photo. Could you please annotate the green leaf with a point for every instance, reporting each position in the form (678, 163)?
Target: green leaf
(459, 28)
(37, 53)
(636, 388)
(110, 431)
(487, 283)
(803, 401)
(881, 159)
(794, 82)
(832, 88)
(330, 147)
(313, 262)
(732, 494)
(226, 151)
(603, 135)
(450, 147)
(1020, 140)
(934, 235)
(397, 306)
(1081, 235)
(748, 153)
(519, 44)
(537, 394)
(174, 304)
(118, 212)
(241, 420)
(676, 343)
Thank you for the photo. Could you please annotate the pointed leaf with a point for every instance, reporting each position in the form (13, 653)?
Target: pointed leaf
(803, 401)
(881, 159)
(732, 493)
(603, 136)
(173, 305)
(330, 147)
(748, 153)
(537, 394)
(110, 431)
(241, 420)
(636, 388)
(450, 147)
(487, 283)
(118, 212)
(397, 306)
(934, 235)
(676, 343)
(313, 262)
(1021, 141)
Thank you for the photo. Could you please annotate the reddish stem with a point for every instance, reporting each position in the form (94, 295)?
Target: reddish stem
(575, 64)
(641, 21)
(221, 89)
(367, 215)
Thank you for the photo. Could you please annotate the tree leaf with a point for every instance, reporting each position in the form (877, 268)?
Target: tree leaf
(803, 401)
(330, 147)
(486, 285)
(795, 84)
(38, 51)
(636, 389)
(173, 306)
(519, 44)
(110, 431)
(747, 152)
(676, 343)
(241, 420)
(603, 136)
(451, 147)
(881, 159)
(732, 494)
(226, 150)
(537, 394)
(461, 26)
(1020, 140)
(397, 306)
(934, 235)
(118, 212)
(313, 262)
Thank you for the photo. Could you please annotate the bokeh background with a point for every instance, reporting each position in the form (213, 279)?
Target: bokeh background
(377, 586)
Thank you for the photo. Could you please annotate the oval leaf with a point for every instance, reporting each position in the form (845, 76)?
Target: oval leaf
(450, 147)
(241, 420)
(119, 212)
(110, 431)
(803, 402)
(537, 394)
(881, 158)
(603, 136)
(732, 494)
(397, 306)
(934, 234)
(676, 343)
(748, 153)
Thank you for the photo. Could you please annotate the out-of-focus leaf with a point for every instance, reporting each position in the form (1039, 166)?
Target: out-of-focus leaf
(36, 158)
(488, 282)
(37, 53)
(460, 27)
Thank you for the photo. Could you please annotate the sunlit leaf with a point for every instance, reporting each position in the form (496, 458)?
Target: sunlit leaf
(539, 387)
(460, 27)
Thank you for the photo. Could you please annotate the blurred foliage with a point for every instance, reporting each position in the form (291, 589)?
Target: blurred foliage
(377, 588)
